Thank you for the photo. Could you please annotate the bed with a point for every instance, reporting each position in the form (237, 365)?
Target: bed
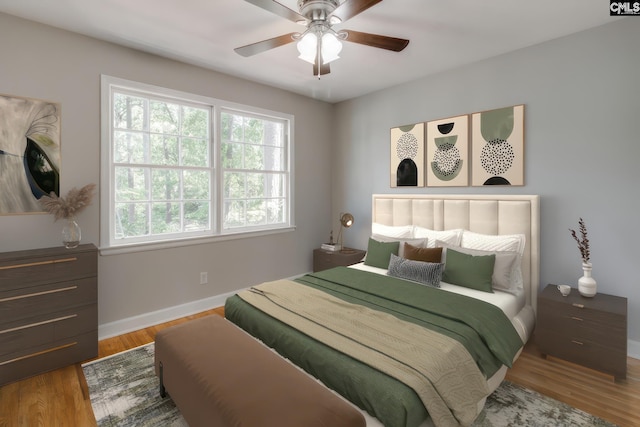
(455, 343)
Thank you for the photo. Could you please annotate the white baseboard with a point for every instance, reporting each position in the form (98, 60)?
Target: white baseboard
(119, 327)
(633, 349)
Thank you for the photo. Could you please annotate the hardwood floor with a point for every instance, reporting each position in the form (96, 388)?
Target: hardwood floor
(61, 398)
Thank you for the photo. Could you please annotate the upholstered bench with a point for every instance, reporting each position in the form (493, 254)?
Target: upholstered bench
(217, 375)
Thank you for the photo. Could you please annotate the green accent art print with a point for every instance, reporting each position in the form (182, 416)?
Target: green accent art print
(497, 138)
(407, 156)
(447, 149)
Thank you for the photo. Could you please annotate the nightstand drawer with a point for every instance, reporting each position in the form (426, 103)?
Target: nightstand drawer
(323, 260)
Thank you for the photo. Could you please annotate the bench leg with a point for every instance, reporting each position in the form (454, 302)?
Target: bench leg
(163, 392)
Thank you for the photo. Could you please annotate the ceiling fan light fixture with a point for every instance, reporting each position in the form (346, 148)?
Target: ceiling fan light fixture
(331, 47)
(308, 47)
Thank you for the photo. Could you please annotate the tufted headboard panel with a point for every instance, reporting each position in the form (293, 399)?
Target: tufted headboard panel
(487, 214)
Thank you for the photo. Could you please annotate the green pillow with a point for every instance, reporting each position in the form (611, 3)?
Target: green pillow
(470, 271)
(379, 253)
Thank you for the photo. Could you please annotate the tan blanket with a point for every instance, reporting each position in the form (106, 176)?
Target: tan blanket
(438, 368)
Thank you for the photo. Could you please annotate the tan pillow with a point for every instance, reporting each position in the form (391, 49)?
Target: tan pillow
(422, 254)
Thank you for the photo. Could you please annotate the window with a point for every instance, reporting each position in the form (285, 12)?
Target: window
(178, 166)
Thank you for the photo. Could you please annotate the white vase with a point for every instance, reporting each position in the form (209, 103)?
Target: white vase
(586, 284)
(71, 234)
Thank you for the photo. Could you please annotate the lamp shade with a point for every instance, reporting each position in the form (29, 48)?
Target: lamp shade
(331, 47)
(346, 220)
(308, 48)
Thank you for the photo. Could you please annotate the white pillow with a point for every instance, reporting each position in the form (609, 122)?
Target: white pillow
(507, 270)
(420, 243)
(398, 231)
(451, 237)
(490, 242)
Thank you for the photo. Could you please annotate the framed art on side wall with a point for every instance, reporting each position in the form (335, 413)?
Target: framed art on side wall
(497, 138)
(29, 153)
(407, 156)
(447, 150)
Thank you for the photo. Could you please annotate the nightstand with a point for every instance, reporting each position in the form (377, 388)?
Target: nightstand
(591, 332)
(323, 260)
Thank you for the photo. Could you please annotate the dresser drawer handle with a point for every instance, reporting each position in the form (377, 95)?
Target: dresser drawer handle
(38, 353)
(577, 342)
(37, 294)
(44, 322)
(33, 264)
(575, 304)
(576, 318)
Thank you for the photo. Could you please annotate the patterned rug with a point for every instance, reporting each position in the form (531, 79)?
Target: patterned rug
(124, 392)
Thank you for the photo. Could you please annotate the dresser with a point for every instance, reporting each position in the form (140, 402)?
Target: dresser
(48, 310)
(591, 332)
(323, 260)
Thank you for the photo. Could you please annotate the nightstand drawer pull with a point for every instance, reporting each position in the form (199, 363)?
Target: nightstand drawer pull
(44, 322)
(39, 353)
(577, 342)
(576, 318)
(575, 304)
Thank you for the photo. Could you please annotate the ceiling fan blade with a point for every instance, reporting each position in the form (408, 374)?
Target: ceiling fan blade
(324, 69)
(351, 8)
(383, 42)
(264, 45)
(274, 7)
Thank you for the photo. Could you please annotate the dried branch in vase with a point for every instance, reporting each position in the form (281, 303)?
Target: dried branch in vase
(71, 205)
(583, 241)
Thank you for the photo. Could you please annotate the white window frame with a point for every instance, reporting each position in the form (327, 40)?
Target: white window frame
(110, 245)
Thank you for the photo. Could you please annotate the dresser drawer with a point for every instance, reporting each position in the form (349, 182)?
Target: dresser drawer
(47, 357)
(18, 338)
(20, 271)
(45, 299)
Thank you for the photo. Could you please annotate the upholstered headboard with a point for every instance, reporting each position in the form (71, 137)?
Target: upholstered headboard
(487, 214)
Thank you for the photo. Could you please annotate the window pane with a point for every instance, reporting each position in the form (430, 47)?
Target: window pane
(253, 130)
(195, 122)
(130, 147)
(131, 220)
(196, 184)
(274, 134)
(255, 184)
(274, 185)
(165, 218)
(195, 152)
(128, 112)
(196, 216)
(274, 159)
(232, 156)
(234, 187)
(164, 150)
(256, 212)
(165, 184)
(131, 184)
(275, 211)
(253, 157)
(165, 117)
(234, 213)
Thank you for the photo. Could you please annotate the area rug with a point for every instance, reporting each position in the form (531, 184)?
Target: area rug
(124, 392)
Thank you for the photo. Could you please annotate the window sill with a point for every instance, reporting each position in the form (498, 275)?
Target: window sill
(154, 246)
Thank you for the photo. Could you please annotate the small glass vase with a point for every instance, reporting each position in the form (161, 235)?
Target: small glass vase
(71, 233)
(586, 284)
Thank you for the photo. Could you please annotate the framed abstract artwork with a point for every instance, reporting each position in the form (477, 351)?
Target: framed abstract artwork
(497, 138)
(447, 150)
(29, 153)
(407, 156)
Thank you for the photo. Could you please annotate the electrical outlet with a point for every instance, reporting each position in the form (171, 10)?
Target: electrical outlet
(203, 278)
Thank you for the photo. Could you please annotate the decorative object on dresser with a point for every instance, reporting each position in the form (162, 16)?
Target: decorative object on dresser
(48, 310)
(588, 331)
(586, 284)
(67, 208)
(323, 259)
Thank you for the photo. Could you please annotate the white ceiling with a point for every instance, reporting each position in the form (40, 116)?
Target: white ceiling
(444, 34)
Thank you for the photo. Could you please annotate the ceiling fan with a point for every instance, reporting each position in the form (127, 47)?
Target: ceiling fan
(320, 44)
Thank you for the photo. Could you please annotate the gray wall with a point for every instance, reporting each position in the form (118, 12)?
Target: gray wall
(582, 146)
(47, 63)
